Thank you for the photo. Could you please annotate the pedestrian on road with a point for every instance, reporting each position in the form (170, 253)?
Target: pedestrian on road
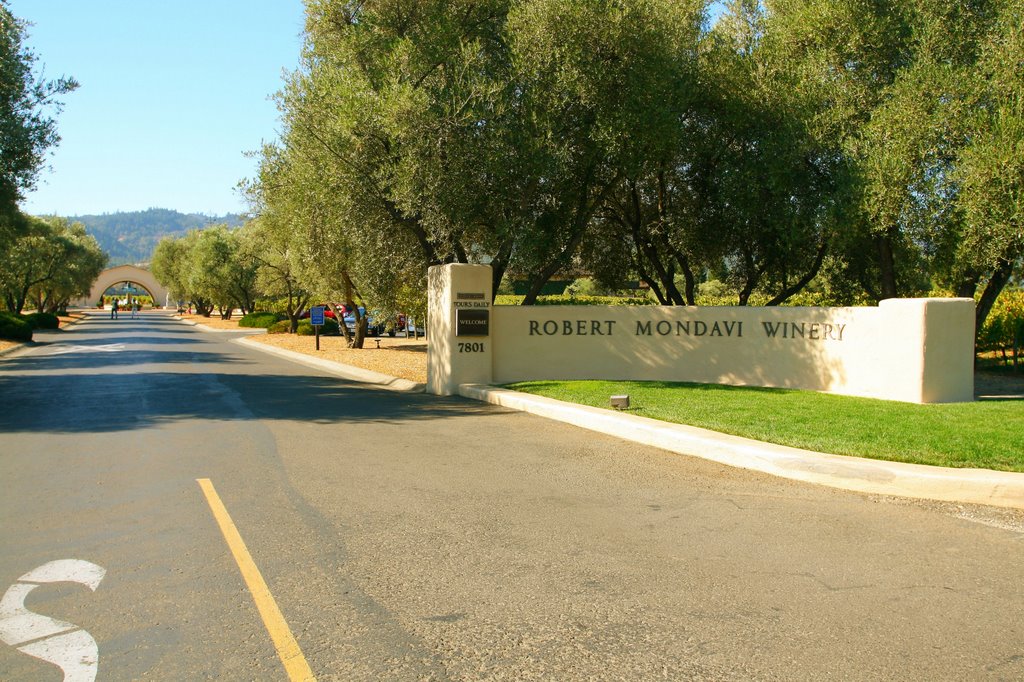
(135, 309)
(113, 310)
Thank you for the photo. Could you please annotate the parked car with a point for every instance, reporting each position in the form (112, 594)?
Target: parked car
(372, 327)
(327, 312)
(415, 330)
(391, 326)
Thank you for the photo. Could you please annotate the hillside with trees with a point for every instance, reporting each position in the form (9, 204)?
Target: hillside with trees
(130, 237)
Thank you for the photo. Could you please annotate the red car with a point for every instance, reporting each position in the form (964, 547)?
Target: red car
(327, 313)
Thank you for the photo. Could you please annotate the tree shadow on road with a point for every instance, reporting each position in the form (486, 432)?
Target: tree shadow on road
(105, 402)
(108, 377)
(56, 360)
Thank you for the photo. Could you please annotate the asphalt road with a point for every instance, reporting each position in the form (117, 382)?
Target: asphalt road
(409, 537)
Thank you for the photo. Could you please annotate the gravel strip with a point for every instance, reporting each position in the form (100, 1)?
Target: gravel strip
(396, 357)
(405, 359)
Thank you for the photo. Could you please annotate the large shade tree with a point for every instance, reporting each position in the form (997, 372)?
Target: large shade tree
(740, 184)
(49, 263)
(432, 132)
(921, 96)
(865, 147)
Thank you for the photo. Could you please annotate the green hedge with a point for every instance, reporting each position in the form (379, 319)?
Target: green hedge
(261, 320)
(42, 320)
(329, 328)
(13, 328)
(282, 327)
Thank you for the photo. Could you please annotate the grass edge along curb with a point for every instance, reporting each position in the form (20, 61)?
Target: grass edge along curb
(984, 435)
(870, 476)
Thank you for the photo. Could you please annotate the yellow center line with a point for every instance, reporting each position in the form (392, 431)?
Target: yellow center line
(287, 648)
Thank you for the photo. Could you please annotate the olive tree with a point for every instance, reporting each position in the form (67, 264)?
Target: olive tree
(50, 262)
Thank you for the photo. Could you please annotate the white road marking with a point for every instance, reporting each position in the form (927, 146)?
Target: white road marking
(19, 625)
(67, 571)
(72, 650)
(105, 348)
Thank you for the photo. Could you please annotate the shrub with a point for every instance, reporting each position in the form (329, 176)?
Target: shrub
(42, 320)
(585, 286)
(282, 327)
(261, 320)
(1004, 327)
(14, 328)
(329, 328)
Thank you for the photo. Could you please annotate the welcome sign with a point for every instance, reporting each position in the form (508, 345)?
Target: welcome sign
(914, 350)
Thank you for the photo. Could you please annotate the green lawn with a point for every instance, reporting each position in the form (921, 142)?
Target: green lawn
(986, 434)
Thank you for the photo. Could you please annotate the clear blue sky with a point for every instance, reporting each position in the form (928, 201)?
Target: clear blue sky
(172, 95)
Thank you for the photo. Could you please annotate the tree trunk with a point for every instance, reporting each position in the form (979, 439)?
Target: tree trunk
(498, 266)
(887, 265)
(998, 280)
(584, 211)
(748, 289)
(684, 264)
(652, 283)
(968, 286)
(360, 326)
(663, 274)
(788, 292)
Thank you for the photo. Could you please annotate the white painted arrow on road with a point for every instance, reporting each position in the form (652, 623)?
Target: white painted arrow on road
(105, 348)
(65, 645)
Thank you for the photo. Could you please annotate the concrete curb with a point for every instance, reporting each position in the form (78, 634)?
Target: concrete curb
(973, 486)
(338, 369)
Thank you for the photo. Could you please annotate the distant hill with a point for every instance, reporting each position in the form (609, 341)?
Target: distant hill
(131, 237)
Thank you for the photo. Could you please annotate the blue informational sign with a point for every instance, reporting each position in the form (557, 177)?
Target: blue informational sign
(316, 315)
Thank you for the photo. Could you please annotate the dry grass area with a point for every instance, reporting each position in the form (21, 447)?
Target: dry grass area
(4, 345)
(213, 321)
(73, 316)
(402, 358)
(396, 357)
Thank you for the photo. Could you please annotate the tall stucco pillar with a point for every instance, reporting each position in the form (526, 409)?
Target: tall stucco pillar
(931, 358)
(458, 327)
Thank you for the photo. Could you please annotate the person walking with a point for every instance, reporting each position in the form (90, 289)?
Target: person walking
(113, 310)
(135, 309)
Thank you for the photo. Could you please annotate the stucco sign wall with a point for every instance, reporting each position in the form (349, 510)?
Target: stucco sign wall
(914, 350)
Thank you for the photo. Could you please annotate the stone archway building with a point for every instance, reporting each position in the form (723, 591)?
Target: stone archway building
(125, 273)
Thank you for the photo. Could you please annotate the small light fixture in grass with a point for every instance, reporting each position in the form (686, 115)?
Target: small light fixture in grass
(620, 402)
